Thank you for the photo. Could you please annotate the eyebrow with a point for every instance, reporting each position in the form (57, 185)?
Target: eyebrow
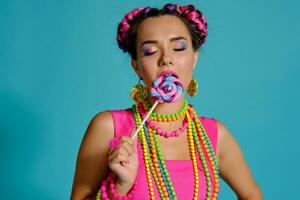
(171, 40)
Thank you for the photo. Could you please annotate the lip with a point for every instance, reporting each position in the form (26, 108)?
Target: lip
(169, 72)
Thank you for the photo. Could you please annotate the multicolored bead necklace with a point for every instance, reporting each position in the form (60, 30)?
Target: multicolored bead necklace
(168, 117)
(154, 161)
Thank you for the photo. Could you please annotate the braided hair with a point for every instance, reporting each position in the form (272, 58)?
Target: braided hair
(192, 18)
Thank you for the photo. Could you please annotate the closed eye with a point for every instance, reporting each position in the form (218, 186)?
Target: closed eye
(149, 53)
(181, 49)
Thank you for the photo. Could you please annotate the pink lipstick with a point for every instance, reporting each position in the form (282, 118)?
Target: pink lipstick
(169, 72)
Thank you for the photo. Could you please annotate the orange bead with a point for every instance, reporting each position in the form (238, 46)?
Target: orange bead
(166, 194)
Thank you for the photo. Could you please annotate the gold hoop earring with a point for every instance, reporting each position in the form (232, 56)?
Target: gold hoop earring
(139, 92)
(193, 87)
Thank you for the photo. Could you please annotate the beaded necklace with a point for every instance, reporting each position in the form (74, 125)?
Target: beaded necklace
(154, 161)
(168, 117)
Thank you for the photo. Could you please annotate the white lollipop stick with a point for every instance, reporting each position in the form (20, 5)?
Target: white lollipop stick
(143, 122)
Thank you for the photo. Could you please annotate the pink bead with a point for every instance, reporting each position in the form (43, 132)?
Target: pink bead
(104, 196)
(151, 123)
(103, 188)
(159, 131)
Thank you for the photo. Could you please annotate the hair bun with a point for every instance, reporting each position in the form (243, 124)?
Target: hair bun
(124, 26)
(192, 15)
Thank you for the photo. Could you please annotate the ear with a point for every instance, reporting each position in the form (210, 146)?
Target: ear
(196, 56)
(136, 67)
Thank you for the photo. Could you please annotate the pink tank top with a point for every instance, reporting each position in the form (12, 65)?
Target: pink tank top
(181, 171)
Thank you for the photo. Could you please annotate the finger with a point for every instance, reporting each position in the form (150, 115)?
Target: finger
(128, 139)
(120, 159)
(127, 146)
(111, 154)
(121, 150)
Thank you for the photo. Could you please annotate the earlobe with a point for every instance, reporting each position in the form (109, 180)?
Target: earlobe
(136, 67)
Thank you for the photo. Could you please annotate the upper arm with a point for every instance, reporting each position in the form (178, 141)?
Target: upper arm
(91, 165)
(233, 167)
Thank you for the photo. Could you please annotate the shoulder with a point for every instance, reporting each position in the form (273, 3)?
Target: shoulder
(102, 121)
(223, 133)
(103, 124)
(226, 142)
(105, 119)
(100, 130)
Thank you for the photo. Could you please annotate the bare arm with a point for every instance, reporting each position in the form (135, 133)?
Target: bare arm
(233, 167)
(91, 166)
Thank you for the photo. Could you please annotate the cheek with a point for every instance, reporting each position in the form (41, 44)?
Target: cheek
(186, 71)
(149, 73)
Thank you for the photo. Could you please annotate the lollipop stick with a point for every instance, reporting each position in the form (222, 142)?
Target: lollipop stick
(147, 116)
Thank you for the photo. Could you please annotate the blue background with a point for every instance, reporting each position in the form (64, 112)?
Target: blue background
(60, 65)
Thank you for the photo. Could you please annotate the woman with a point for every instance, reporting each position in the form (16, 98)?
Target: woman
(177, 155)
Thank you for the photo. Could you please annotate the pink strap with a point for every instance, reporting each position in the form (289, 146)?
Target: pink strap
(123, 122)
(210, 125)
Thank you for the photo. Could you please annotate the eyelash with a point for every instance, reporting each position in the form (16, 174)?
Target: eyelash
(180, 49)
(151, 53)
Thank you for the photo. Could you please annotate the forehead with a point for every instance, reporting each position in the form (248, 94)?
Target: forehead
(162, 27)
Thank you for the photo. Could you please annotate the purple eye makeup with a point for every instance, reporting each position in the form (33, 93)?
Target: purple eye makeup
(148, 50)
(180, 45)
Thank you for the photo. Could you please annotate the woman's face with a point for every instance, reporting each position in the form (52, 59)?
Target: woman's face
(164, 44)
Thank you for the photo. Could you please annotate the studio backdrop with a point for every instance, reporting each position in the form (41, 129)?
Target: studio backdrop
(60, 65)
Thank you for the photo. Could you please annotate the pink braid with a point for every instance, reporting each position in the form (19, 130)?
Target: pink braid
(193, 15)
(124, 26)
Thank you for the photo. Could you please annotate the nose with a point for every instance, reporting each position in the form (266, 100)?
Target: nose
(166, 59)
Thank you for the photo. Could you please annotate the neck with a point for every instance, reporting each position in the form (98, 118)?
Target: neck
(168, 108)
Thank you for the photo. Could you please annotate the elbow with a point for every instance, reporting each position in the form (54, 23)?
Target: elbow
(257, 195)
(254, 195)
(84, 197)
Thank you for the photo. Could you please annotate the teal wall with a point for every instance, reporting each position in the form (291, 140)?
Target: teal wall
(60, 65)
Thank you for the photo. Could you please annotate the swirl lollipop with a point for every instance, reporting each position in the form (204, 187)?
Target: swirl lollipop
(166, 88)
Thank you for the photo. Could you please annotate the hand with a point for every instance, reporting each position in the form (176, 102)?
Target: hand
(123, 161)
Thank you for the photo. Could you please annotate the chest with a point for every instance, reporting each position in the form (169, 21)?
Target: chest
(175, 148)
